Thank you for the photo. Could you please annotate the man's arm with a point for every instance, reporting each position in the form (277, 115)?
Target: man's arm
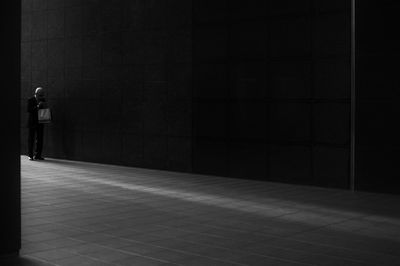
(42, 104)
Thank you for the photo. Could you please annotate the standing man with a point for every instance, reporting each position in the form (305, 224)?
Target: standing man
(35, 128)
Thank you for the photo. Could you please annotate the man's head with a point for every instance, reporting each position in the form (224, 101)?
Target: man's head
(39, 93)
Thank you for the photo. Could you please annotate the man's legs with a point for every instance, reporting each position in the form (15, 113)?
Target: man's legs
(31, 140)
(39, 141)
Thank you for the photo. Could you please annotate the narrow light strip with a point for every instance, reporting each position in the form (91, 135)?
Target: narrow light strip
(353, 98)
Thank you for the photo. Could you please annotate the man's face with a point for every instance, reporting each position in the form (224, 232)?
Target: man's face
(39, 95)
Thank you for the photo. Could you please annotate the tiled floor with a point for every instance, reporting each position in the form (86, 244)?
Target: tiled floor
(77, 213)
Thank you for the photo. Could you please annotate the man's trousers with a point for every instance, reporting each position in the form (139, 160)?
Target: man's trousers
(35, 136)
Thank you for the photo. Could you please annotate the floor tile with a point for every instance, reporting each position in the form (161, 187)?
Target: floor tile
(77, 213)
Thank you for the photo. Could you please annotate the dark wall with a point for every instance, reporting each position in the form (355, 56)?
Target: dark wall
(377, 84)
(10, 180)
(256, 90)
(271, 90)
(118, 77)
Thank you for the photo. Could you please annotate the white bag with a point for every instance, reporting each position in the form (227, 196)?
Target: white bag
(44, 115)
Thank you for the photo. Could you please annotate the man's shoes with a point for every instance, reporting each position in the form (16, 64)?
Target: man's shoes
(31, 158)
(39, 158)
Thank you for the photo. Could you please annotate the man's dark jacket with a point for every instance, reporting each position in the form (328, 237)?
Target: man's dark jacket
(33, 112)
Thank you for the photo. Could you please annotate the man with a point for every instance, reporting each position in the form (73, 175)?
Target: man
(35, 128)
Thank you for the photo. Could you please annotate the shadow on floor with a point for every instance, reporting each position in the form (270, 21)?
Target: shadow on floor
(22, 261)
